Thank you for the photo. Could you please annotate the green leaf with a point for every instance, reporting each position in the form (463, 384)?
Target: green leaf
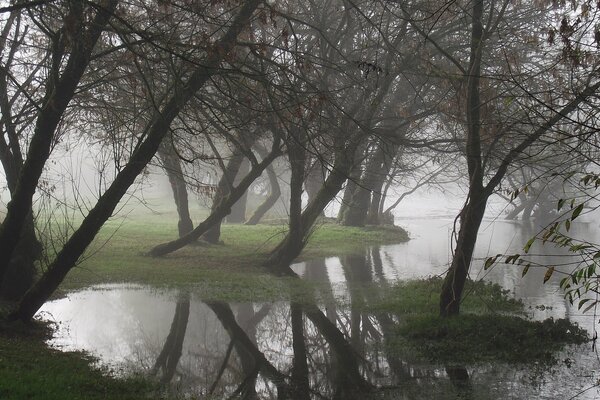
(582, 302)
(561, 203)
(589, 307)
(568, 225)
(577, 211)
(528, 244)
(548, 274)
(489, 262)
(525, 270)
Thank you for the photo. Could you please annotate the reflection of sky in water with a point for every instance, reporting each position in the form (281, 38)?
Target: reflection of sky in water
(128, 324)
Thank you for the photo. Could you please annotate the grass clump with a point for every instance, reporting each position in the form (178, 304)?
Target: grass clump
(30, 370)
(472, 338)
(491, 327)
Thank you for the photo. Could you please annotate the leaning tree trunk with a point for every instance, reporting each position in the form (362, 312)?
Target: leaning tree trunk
(172, 166)
(60, 90)
(470, 220)
(67, 257)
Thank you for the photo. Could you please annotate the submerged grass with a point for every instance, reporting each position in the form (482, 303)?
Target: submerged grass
(491, 328)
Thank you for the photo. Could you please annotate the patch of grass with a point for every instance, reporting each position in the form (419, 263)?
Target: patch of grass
(233, 268)
(488, 329)
(472, 338)
(30, 370)
(422, 297)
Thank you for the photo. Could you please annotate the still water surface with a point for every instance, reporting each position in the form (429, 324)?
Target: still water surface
(198, 348)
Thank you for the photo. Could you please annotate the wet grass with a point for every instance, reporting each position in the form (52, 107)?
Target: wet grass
(230, 271)
(30, 370)
(492, 327)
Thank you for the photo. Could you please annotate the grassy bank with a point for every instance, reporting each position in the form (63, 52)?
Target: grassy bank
(119, 255)
(30, 370)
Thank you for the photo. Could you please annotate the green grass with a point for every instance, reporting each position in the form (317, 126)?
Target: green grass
(228, 271)
(491, 327)
(30, 370)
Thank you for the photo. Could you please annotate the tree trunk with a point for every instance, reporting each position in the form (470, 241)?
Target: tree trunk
(238, 211)
(274, 194)
(454, 282)
(351, 188)
(158, 127)
(472, 213)
(314, 180)
(60, 91)
(172, 166)
(222, 208)
(356, 213)
(213, 234)
(289, 248)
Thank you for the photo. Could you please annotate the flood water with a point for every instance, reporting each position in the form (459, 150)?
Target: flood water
(255, 350)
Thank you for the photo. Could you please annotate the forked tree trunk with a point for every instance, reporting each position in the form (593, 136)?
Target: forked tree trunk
(291, 246)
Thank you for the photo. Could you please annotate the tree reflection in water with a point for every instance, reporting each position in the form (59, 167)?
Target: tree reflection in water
(298, 350)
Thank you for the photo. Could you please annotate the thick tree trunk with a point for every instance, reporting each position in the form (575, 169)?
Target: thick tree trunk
(222, 208)
(172, 166)
(454, 282)
(159, 125)
(238, 211)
